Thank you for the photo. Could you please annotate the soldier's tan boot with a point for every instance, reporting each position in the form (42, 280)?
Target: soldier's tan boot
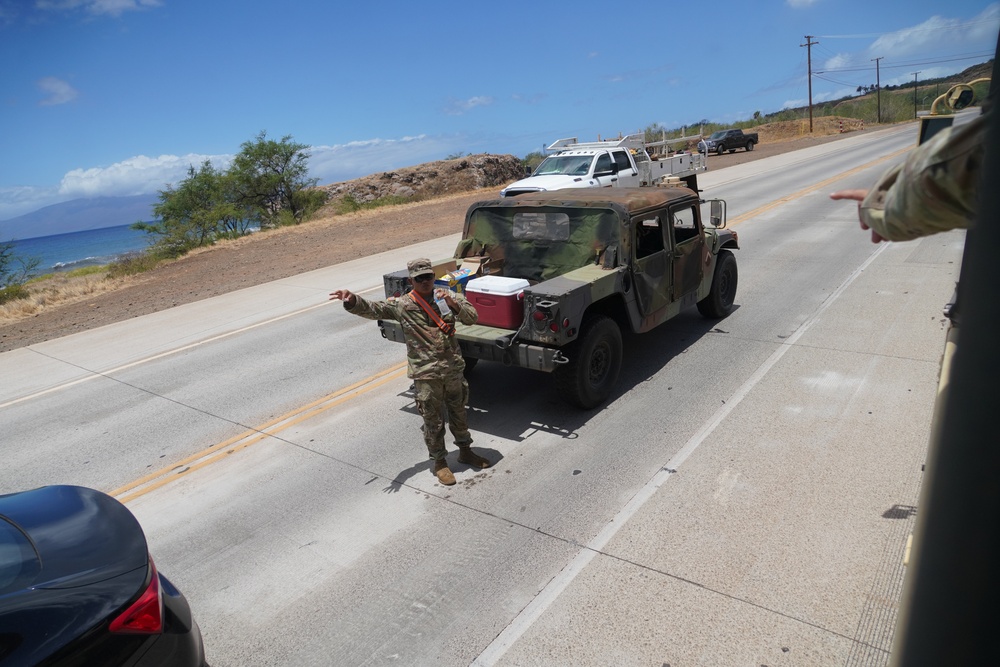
(470, 458)
(443, 472)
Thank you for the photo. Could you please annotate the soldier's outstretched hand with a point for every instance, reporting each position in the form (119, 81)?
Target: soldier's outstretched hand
(858, 196)
(344, 295)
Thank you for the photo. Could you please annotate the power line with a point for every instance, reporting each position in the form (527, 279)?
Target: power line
(839, 83)
(906, 64)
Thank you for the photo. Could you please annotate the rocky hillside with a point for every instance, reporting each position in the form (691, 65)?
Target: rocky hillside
(431, 179)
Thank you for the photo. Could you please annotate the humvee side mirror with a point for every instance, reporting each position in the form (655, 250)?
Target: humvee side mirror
(717, 213)
(960, 96)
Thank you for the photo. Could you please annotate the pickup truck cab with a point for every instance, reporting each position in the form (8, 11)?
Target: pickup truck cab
(621, 163)
(729, 140)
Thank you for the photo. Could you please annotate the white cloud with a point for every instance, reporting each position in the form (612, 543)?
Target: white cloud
(937, 32)
(58, 91)
(838, 61)
(529, 99)
(18, 200)
(134, 176)
(459, 107)
(332, 164)
(97, 7)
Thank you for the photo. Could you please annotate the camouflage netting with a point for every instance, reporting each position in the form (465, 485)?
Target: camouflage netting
(433, 179)
(541, 243)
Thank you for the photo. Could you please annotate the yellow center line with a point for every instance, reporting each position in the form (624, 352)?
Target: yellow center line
(219, 451)
(812, 188)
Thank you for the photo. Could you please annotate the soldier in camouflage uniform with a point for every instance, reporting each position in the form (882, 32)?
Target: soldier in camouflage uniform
(434, 359)
(934, 190)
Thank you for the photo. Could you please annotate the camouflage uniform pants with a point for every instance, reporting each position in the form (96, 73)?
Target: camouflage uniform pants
(434, 398)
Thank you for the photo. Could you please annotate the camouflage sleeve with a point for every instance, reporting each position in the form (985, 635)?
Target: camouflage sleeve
(374, 310)
(467, 313)
(934, 190)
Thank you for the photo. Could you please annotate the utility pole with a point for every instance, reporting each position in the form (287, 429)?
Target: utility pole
(809, 43)
(878, 91)
(915, 94)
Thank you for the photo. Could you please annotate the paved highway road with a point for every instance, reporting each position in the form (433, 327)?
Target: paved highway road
(743, 499)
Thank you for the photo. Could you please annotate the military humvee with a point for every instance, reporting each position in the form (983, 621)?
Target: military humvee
(596, 261)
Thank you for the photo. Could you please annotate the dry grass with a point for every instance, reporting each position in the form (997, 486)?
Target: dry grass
(58, 289)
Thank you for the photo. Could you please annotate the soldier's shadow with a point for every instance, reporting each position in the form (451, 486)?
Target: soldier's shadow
(516, 403)
(425, 468)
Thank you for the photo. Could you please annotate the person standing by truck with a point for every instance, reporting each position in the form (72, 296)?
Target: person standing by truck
(434, 359)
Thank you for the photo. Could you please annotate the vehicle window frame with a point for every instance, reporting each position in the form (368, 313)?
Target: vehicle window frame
(691, 226)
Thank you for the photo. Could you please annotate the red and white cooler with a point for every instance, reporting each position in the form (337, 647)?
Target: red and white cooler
(498, 300)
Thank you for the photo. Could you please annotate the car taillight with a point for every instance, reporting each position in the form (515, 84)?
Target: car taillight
(145, 615)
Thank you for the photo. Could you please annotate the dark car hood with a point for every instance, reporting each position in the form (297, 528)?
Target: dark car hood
(80, 535)
(92, 560)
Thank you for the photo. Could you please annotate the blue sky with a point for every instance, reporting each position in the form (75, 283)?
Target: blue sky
(118, 97)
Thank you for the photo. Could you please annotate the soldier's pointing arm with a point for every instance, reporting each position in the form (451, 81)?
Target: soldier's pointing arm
(373, 310)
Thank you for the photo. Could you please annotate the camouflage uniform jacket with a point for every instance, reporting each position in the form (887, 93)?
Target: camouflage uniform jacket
(430, 354)
(934, 190)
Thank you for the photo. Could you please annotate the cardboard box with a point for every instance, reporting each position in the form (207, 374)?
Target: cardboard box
(483, 266)
(455, 280)
(443, 266)
(498, 300)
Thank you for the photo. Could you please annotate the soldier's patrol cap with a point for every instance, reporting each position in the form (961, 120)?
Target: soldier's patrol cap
(419, 267)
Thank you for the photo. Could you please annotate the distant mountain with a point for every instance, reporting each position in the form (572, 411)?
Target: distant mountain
(78, 215)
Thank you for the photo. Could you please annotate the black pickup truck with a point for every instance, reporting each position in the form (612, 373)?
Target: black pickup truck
(730, 140)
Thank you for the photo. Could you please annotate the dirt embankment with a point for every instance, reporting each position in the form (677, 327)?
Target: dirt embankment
(326, 240)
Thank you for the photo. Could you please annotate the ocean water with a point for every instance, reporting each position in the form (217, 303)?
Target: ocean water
(64, 252)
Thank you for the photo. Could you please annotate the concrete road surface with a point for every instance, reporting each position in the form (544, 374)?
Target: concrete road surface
(744, 498)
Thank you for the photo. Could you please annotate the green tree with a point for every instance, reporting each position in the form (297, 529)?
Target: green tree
(532, 160)
(15, 271)
(198, 211)
(270, 179)
(656, 132)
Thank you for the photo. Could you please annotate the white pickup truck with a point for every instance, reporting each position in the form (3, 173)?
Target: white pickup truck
(623, 163)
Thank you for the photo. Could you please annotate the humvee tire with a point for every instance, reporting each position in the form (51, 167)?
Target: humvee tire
(470, 363)
(719, 301)
(595, 359)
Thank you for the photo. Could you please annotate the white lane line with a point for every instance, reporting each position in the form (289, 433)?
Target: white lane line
(548, 595)
(139, 362)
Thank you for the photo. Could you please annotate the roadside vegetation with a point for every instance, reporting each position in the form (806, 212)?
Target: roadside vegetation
(15, 271)
(893, 104)
(349, 204)
(265, 187)
(52, 289)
